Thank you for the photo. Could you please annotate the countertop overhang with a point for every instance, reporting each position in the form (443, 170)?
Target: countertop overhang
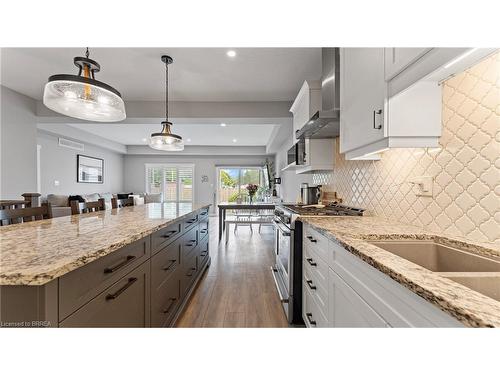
(38, 252)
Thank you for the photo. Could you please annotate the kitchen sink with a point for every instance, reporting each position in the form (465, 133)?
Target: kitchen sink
(487, 283)
(437, 257)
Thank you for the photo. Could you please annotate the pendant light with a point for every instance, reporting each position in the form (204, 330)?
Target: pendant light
(82, 96)
(165, 140)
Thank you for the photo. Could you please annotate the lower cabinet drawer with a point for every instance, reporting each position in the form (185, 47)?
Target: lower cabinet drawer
(189, 272)
(165, 300)
(312, 315)
(81, 285)
(189, 241)
(123, 304)
(165, 263)
(203, 229)
(165, 236)
(203, 255)
(318, 292)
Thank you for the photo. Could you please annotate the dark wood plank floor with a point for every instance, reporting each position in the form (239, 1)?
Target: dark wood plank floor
(238, 289)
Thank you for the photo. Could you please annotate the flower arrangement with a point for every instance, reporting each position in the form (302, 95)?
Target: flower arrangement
(252, 189)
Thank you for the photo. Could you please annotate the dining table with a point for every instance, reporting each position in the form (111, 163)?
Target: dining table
(254, 206)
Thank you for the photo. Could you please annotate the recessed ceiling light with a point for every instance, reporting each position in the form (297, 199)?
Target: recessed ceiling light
(231, 53)
(144, 139)
(235, 140)
(223, 124)
(189, 139)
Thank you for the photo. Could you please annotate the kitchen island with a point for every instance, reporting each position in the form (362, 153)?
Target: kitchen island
(129, 267)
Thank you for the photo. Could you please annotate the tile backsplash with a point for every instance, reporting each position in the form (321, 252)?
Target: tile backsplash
(466, 167)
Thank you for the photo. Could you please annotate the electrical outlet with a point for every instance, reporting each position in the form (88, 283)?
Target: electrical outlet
(424, 184)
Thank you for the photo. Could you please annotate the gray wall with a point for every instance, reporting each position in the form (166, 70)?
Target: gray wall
(59, 163)
(135, 178)
(18, 144)
(289, 190)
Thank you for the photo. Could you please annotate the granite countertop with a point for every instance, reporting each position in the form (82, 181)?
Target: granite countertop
(469, 307)
(37, 252)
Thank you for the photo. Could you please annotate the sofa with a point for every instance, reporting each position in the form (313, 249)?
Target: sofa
(60, 203)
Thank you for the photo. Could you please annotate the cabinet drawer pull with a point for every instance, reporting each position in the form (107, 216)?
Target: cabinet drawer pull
(204, 213)
(312, 240)
(129, 259)
(310, 320)
(310, 261)
(169, 234)
(203, 231)
(310, 284)
(204, 253)
(191, 273)
(375, 113)
(122, 289)
(191, 221)
(190, 243)
(172, 303)
(309, 237)
(169, 267)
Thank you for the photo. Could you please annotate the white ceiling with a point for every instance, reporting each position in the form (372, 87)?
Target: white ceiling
(199, 134)
(197, 74)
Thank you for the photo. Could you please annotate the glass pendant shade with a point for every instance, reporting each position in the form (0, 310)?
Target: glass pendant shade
(82, 96)
(165, 140)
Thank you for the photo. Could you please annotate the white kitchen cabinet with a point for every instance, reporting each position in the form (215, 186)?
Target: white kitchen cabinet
(362, 97)
(306, 104)
(348, 309)
(358, 294)
(397, 59)
(319, 156)
(391, 97)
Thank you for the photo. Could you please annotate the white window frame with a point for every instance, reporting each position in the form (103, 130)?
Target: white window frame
(217, 174)
(171, 165)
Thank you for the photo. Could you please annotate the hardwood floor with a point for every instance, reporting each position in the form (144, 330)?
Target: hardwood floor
(238, 289)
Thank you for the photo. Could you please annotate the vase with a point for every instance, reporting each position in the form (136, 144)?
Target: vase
(251, 199)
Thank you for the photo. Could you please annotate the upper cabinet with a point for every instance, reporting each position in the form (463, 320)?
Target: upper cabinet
(306, 104)
(397, 59)
(391, 97)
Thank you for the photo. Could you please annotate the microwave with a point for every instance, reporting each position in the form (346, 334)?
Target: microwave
(297, 153)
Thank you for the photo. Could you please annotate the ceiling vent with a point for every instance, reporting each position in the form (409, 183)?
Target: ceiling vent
(63, 142)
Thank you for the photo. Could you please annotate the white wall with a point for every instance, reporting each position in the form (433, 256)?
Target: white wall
(135, 179)
(18, 144)
(59, 163)
(289, 190)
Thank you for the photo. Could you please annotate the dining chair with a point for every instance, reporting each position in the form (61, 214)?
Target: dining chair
(243, 218)
(119, 203)
(23, 215)
(266, 218)
(85, 207)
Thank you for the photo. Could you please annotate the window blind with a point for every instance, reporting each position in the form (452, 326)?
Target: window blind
(174, 181)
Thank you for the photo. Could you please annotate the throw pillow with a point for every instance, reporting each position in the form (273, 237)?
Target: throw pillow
(78, 198)
(123, 196)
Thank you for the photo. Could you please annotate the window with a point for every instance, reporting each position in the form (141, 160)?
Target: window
(233, 180)
(174, 181)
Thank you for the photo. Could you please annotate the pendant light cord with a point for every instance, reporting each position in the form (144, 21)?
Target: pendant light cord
(87, 53)
(166, 91)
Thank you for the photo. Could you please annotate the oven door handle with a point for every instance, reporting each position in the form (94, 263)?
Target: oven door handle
(284, 230)
(283, 299)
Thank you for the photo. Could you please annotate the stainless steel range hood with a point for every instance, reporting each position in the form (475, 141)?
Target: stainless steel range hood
(326, 123)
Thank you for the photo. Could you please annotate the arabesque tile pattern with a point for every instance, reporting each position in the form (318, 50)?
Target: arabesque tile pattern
(466, 168)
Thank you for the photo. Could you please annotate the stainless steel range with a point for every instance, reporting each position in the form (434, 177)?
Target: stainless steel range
(287, 271)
